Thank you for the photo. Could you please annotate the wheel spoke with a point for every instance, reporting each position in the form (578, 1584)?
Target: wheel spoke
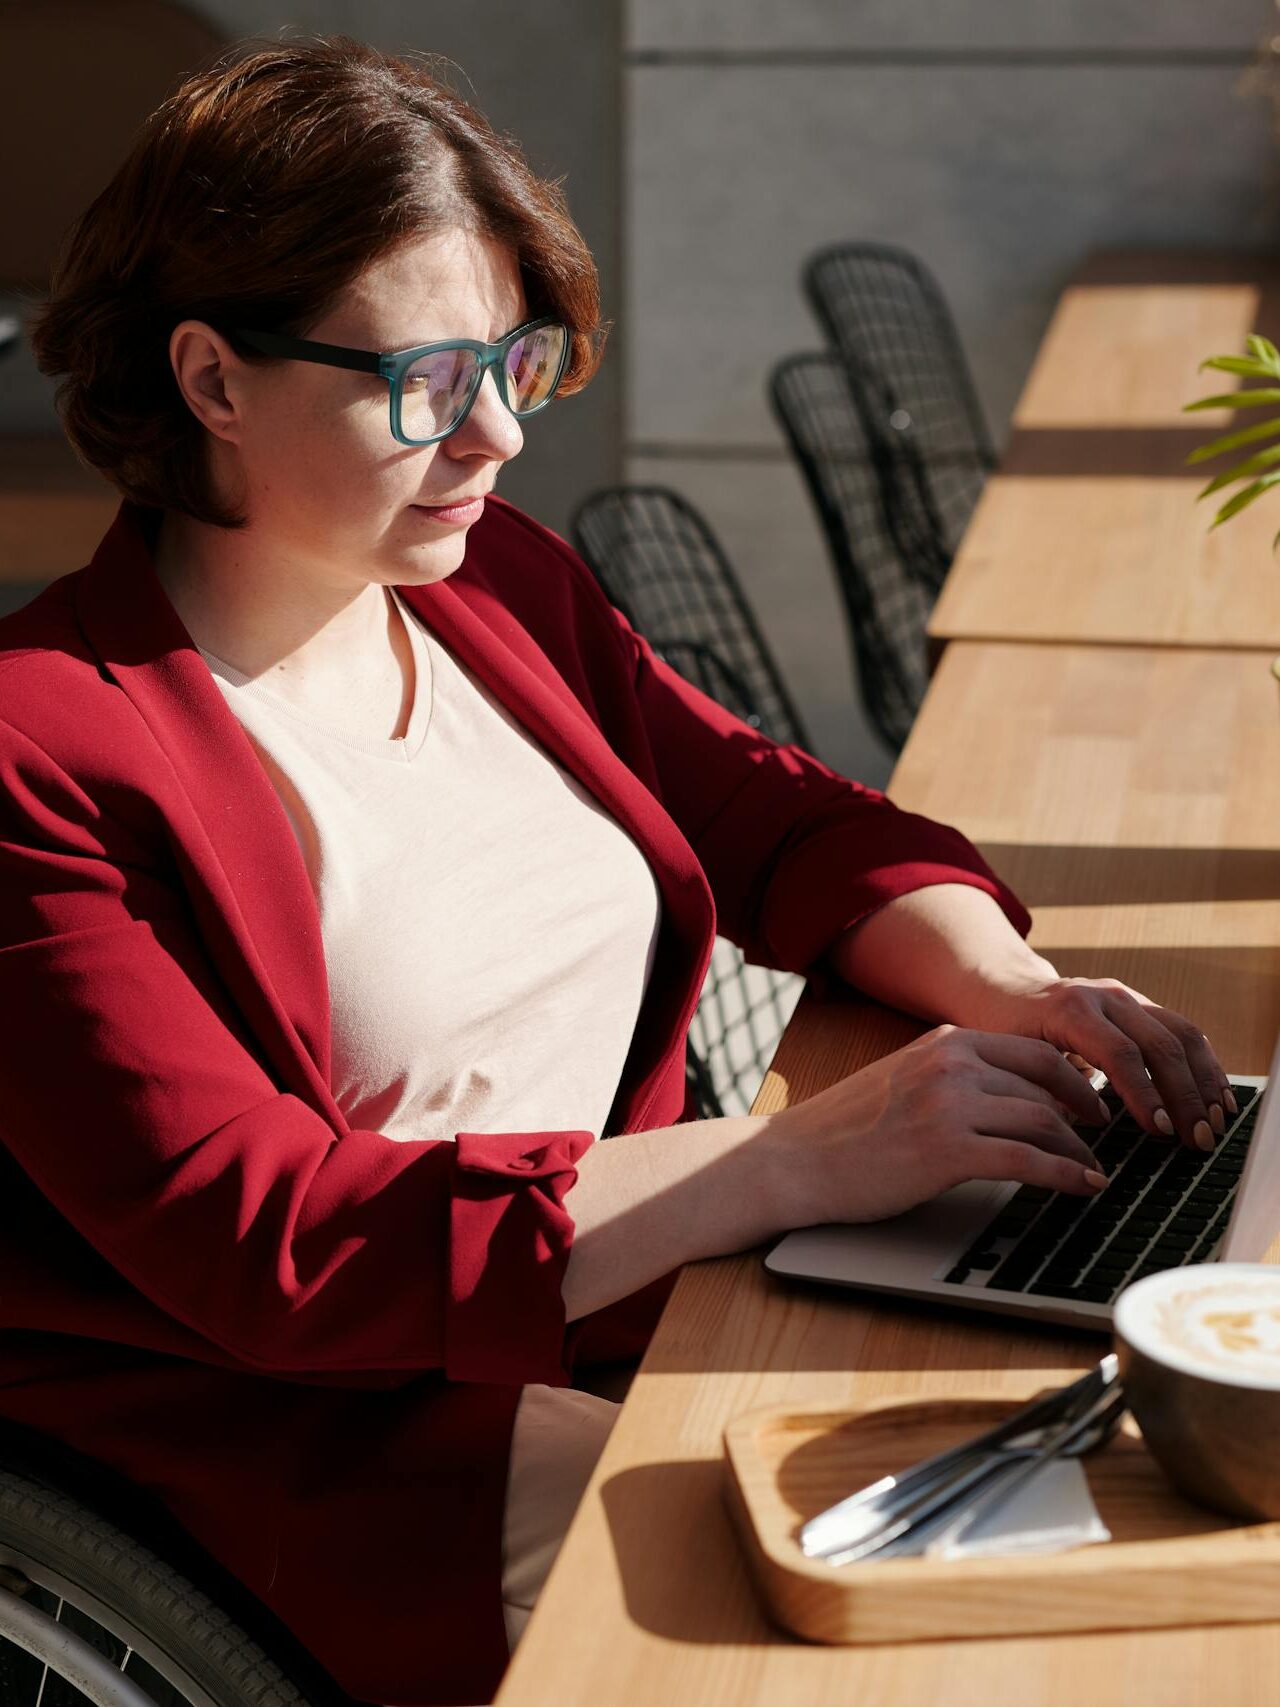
(44, 1675)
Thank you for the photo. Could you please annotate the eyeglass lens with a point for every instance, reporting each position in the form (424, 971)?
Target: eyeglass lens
(533, 363)
(437, 387)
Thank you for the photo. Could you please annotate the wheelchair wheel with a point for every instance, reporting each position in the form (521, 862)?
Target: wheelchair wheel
(89, 1615)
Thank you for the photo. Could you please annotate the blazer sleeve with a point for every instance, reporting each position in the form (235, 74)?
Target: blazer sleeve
(794, 853)
(134, 1097)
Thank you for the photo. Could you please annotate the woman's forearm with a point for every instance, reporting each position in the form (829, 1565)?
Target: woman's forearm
(946, 952)
(646, 1202)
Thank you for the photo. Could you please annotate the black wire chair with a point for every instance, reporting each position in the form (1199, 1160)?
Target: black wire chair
(659, 562)
(886, 567)
(883, 311)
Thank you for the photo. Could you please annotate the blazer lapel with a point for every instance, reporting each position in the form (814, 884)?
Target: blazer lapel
(246, 875)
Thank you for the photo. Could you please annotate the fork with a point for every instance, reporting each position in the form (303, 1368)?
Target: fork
(1007, 1469)
(873, 1508)
(1089, 1432)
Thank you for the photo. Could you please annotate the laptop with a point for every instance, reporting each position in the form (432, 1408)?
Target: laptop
(1028, 1251)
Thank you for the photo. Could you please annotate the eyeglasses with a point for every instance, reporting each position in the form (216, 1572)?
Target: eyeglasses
(434, 385)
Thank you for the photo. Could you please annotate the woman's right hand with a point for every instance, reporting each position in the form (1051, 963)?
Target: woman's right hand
(954, 1105)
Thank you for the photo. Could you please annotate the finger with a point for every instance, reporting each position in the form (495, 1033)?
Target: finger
(1206, 1069)
(1121, 1059)
(1165, 1060)
(1042, 1064)
(1014, 1114)
(1007, 1159)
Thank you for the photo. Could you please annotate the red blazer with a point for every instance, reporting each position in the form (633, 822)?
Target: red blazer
(308, 1341)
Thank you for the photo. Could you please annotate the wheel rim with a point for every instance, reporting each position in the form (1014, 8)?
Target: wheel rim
(110, 1622)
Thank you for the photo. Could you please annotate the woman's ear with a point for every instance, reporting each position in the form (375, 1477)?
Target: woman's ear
(208, 370)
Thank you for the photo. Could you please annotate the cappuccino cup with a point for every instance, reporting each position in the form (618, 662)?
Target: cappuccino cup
(1199, 1355)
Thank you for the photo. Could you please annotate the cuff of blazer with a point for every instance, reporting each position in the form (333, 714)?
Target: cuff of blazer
(828, 884)
(509, 1239)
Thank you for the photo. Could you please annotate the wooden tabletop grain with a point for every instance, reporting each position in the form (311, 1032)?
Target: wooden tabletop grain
(1133, 798)
(1090, 530)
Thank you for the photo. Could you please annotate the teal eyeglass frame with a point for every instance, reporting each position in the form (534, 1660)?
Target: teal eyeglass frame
(394, 365)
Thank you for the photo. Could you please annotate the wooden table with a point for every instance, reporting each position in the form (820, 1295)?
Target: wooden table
(1134, 800)
(1090, 530)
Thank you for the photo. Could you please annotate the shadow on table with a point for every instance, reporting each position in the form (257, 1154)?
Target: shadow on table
(1107, 453)
(661, 1512)
(749, 1321)
(1076, 876)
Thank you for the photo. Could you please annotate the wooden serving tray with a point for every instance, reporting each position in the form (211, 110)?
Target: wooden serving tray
(1169, 1562)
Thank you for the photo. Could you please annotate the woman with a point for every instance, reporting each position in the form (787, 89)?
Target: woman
(360, 870)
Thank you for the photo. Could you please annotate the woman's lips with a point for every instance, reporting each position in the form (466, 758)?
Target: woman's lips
(453, 515)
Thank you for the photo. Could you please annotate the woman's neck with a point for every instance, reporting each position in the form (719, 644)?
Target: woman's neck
(319, 642)
(262, 611)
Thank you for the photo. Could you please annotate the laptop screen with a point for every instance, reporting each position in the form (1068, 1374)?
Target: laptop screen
(1255, 1218)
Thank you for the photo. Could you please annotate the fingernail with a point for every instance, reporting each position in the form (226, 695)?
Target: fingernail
(1096, 1180)
(1216, 1120)
(1229, 1097)
(1104, 1113)
(1163, 1123)
(1202, 1135)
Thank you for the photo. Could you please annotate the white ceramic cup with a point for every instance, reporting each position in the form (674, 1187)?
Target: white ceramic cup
(1199, 1352)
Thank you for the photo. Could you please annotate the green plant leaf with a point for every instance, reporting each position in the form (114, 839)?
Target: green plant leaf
(1246, 365)
(1236, 399)
(1233, 441)
(1264, 351)
(1242, 500)
(1243, 471)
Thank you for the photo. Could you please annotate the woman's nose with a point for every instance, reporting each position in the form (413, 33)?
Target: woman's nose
(490, 429)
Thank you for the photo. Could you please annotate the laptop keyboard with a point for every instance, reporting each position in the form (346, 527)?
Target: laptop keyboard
(1163, 1206)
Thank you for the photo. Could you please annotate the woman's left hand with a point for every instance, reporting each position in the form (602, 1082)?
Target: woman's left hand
(1157, 1060)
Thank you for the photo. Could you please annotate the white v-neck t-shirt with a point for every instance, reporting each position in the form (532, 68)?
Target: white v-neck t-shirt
(488, 929)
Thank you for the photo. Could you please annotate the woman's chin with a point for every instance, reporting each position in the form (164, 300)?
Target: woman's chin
(425, 561)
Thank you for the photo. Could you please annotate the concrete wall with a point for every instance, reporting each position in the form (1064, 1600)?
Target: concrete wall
(549, 75)
(714, 143)
(998, 139)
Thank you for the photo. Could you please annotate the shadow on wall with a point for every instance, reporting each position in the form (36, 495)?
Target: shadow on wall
(77, 77)
(76, 80)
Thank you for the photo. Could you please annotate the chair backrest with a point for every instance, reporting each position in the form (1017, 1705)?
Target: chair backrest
(883, 311)
(659, 562)
(885, 563)
(742, 1012)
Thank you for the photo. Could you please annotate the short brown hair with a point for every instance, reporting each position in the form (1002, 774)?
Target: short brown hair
(255, 193)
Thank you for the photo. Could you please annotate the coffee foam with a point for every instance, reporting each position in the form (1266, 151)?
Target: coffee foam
(1217, 1320)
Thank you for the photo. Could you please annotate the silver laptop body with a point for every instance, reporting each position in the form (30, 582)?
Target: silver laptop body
(911, 1255)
